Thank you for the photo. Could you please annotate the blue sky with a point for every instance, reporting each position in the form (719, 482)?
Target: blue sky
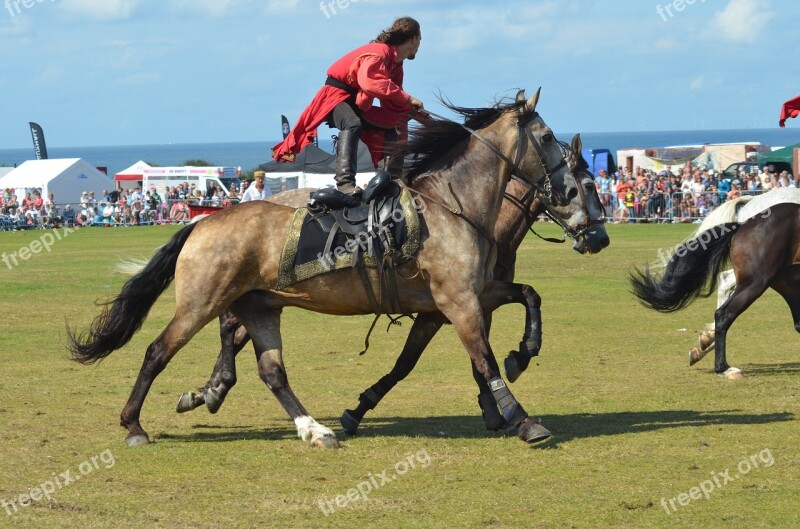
(120, 72)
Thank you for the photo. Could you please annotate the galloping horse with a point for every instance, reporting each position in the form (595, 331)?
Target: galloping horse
(737, 210)
(764, 252)
(460, 173)
(520, 209)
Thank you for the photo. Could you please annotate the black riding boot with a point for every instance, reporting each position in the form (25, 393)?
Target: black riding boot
(347, 163)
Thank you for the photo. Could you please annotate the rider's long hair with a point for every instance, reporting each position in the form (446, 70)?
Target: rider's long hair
(402, 30)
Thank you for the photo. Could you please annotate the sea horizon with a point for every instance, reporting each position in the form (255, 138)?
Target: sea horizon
(250, 154)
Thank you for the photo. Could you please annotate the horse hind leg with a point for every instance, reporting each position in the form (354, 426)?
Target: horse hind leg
(422, 332)
(264, 329)
(743, 296)
(233, 338)
(177, 334)
(705, 341)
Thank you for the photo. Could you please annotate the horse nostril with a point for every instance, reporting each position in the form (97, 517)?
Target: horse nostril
(571, 194)
(605, 241)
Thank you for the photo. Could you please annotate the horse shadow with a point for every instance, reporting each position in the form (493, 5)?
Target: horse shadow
(786, 368)
(565, 428)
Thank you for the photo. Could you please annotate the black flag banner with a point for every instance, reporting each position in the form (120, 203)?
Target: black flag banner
(284, 126)
(39, 146)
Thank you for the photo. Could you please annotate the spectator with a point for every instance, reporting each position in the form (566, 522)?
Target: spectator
(257, 191)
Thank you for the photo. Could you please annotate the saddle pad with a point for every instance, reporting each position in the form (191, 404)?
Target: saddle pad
(779, 195)
(302, 257)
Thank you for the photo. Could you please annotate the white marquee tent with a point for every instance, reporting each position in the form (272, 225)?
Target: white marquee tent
(66, 178)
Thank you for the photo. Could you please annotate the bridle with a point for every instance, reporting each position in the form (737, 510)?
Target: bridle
(546, 189)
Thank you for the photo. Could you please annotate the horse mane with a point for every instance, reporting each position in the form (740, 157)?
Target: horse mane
(437, 143)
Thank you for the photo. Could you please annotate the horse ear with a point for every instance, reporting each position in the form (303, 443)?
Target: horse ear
(520, 96)
(577, 144)
(530, 106)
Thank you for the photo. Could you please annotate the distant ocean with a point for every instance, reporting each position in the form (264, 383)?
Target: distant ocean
(249, 155)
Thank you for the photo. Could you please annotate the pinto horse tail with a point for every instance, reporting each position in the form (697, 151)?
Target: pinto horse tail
(122, 316)
(694, 264)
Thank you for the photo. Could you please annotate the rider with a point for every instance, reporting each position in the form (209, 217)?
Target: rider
(372, 71)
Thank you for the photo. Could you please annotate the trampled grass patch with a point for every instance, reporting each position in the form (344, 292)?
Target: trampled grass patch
(634, 427)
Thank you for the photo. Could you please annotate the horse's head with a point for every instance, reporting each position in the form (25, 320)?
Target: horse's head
(583, 217)
(561, 177)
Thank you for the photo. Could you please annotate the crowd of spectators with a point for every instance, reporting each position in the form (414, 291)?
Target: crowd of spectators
(686, 195)
(124, 207)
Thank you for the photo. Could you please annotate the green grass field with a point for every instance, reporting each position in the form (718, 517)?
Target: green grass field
(632, 423)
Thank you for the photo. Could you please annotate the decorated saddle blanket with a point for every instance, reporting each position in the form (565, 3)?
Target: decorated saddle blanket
(759, 203)
(319, 242)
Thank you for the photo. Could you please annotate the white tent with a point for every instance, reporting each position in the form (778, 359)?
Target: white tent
(132, 176)
(66, 178)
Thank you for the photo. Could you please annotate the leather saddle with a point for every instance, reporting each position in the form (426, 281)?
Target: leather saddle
(373, 228)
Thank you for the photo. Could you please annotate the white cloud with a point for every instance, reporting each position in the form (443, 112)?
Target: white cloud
(14, 27)
(743, 20)
(105, 11)
(666, 44)
(697, 83)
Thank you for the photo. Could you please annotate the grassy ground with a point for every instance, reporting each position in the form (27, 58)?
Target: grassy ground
(633, 423)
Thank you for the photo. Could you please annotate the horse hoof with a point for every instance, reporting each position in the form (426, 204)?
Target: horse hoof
(349, 423)
(733, 373)
(139, 439)
(212, 400)
(326, 442)
(512, 367)
(188, 401)
(532, 431)
(694, 356)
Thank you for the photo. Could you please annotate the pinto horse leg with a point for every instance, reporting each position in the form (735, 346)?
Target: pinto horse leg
(264, 328)
(468, 319)
(422, 332)
(705, 342)
(743, 296)
(233, 338)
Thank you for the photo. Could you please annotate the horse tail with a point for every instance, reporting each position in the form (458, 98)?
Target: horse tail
(694, 264)
(122, 316)
(722, 214)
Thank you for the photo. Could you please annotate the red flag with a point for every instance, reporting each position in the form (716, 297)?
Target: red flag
(791, 109)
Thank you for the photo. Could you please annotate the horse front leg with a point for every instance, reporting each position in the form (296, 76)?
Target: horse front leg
(467, 317)
(423, 330)
(233, 338)
(500, 293)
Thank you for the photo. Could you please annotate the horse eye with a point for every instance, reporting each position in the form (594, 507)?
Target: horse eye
(547, 137)
(589, 186)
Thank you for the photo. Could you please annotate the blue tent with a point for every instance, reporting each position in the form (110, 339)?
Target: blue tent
(599, 159)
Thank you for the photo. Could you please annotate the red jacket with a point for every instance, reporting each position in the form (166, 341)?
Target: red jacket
(373, 70)
(791, 109)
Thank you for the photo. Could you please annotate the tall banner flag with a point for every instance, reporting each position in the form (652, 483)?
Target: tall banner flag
(284, 126)
(39, 147)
